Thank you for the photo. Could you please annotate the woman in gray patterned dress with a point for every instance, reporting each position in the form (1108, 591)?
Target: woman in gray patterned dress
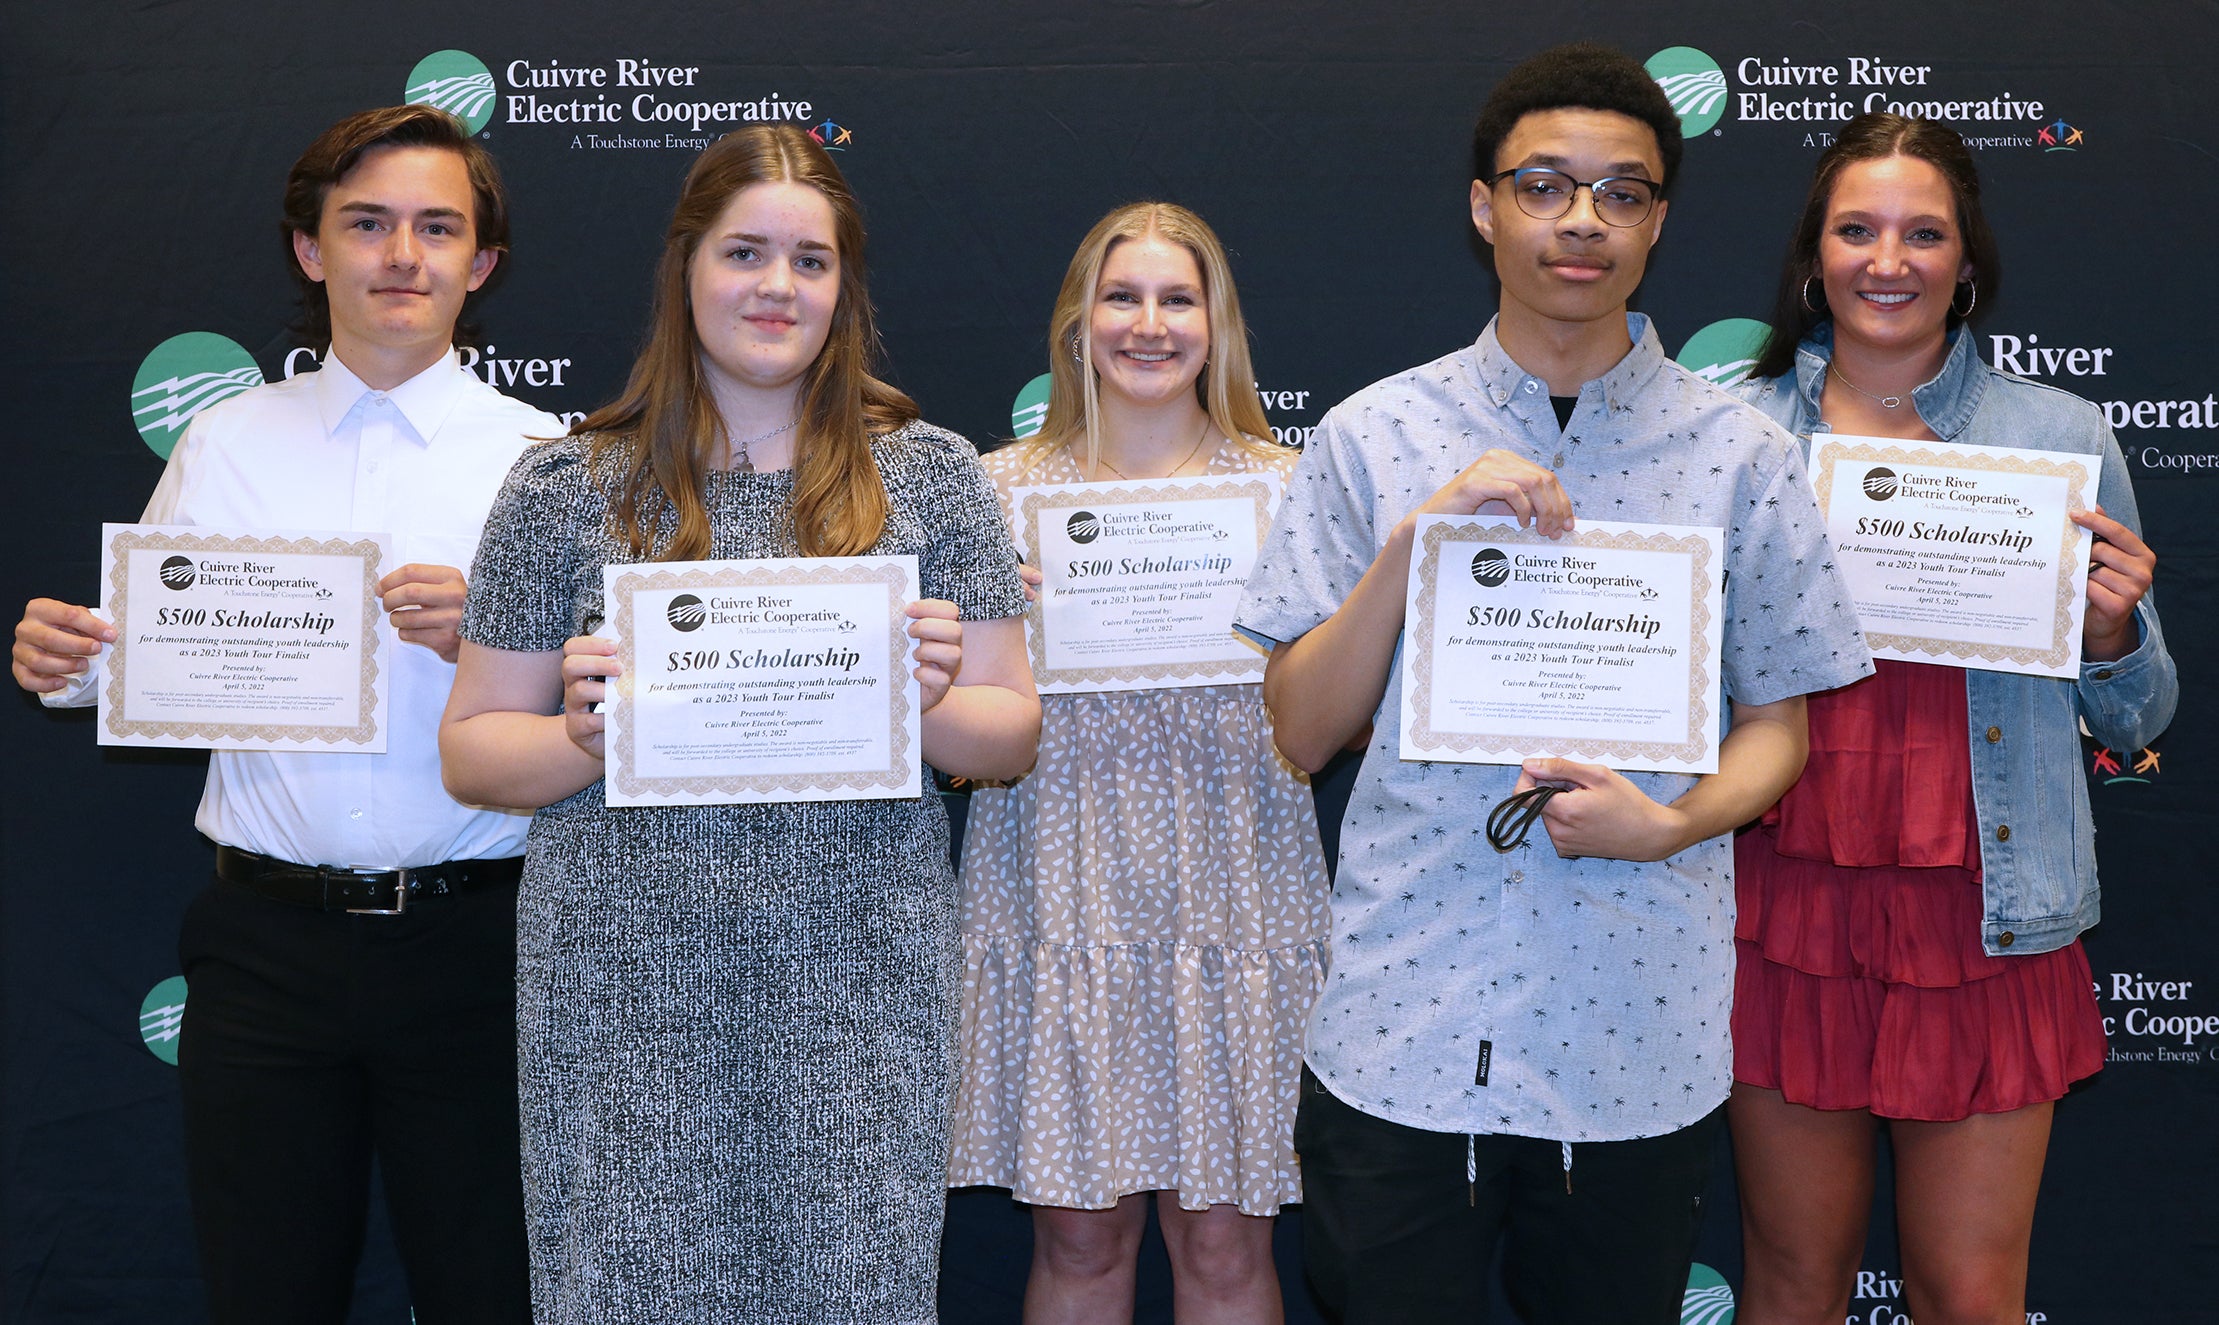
(735, 1024)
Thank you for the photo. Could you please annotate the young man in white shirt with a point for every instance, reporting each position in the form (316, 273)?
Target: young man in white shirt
(350, 970)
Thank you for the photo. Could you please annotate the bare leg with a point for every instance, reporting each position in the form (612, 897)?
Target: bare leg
(1964, 1205)
(1221, 1267)
(1082, 1263)
(1805, 1177)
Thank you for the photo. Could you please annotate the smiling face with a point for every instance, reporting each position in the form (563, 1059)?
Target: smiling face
(764, 284)
(1575, 269)
(1149, 323)
(396, 251)
(1891, 254)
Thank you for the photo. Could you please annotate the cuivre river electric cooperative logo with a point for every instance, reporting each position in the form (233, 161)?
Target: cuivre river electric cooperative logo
(456, 82)
(161, 1014)
(686, 612)
(632, 102)
(1083, 526)
(1491, 568)
(183, 376)
(1724, 352)
(1708, 1300)
(179, 572)
(1694, 84)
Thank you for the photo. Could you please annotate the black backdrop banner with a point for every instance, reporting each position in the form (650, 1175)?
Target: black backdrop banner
(141, 152)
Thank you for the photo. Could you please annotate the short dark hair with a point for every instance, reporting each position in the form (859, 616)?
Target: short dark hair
(340, 148)
(1584, 75)
(1875, 136)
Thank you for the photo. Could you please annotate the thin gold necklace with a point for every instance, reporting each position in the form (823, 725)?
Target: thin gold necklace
(1175, 468)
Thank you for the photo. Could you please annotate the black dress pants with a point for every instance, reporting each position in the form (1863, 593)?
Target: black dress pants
(313, 1041)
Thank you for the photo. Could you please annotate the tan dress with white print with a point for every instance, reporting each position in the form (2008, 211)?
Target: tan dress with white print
(1144, 925)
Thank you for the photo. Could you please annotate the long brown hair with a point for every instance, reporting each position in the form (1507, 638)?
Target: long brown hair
(1875, 136)
(1226, 389)
(664, 429)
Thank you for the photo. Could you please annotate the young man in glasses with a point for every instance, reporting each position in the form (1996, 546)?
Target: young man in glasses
(1531, 1044)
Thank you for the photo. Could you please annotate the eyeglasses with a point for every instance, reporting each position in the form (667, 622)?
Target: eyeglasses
(1546, 194)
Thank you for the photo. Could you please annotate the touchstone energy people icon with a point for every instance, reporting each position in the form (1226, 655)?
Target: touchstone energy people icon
(1527, 1048)
(1908, 951)
(1144, 912)
(736, 1023)
(351, 966)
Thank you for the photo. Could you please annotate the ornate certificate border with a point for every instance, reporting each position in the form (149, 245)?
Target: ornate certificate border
(2065, 637)
(262, 735)
(1240, 663)
(901, 766)
(1702, 682)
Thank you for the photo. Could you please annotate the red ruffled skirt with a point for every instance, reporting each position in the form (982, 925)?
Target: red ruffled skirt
(1860, 981)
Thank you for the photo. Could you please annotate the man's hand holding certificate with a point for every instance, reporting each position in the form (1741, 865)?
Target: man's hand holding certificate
(778, 680)
(1960, 555)
(237, 640)
(1600, 646)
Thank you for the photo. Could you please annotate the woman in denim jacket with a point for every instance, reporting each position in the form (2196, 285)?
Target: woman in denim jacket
(1909, 913)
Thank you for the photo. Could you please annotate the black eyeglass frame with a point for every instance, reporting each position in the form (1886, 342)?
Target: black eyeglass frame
(1594, 193)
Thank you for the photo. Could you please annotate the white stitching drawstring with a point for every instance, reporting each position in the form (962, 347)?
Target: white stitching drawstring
(1471, 1170)
(1567, 1166)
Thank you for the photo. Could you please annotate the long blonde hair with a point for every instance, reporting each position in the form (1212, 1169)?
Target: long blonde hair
(665, 430)
(1226, 390)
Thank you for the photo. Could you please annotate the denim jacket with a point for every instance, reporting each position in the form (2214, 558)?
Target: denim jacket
(2037, 838)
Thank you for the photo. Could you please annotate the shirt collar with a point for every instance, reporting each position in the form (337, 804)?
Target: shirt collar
(423, 401)
(1503, 380)
(1946, 401)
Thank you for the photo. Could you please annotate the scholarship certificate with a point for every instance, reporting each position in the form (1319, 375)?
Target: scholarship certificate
(784, 679)
(1141, 580)
(1600, 646)
(231, 640)
(1960, 555)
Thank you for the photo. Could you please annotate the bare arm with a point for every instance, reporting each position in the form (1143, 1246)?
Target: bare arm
(981, 712)
(1324, 687)
(1605, 815)
(502, 740)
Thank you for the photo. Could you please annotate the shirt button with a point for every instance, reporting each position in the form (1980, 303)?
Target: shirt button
(1517, 876)
(1558, 461)
(2003, 832)
(2102, 674)
(1994, 734)
(1532, 387)
(354, 814)
(2003, 940)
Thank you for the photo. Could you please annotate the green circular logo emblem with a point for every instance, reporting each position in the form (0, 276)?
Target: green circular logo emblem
(162, 1012)
(183, 376)
(457, 82)
(1709, 1301)
(1694, 83)
(1725, 351)
(1030, 409)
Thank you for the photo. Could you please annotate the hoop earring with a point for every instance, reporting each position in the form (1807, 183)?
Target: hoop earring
(1076, 356)
(1970, 304)
(1808, 306)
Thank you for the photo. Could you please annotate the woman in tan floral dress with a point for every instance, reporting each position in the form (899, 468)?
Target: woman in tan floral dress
(1144, 915)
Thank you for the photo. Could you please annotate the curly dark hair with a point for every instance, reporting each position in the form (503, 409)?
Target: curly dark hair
(1584, 75)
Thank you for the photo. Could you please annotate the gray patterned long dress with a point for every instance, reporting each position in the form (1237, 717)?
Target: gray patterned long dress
(735, 1024)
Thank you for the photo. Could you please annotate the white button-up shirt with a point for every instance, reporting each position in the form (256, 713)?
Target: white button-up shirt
(326, 452)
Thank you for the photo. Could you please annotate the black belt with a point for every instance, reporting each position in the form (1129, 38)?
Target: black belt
(363, 892)
(1513, 816)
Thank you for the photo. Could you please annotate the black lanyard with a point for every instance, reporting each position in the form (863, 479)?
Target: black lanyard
(1512, 818)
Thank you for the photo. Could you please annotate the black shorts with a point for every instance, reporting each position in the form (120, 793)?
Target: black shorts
(1395, 1232)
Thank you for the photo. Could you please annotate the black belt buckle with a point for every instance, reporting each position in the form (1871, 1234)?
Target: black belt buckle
(401, 879)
